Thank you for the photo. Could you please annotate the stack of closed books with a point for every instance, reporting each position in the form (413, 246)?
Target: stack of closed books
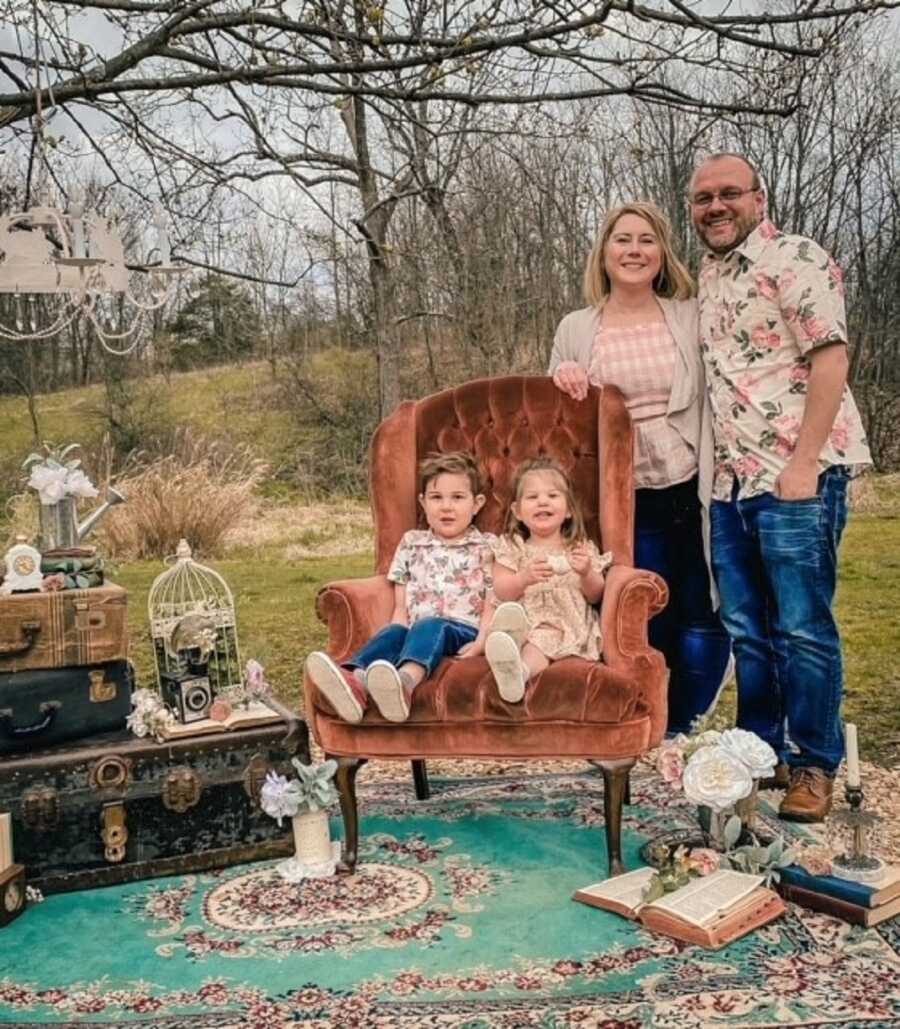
(860, 903)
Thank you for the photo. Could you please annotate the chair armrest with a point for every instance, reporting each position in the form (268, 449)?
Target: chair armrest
(354, 610)
(630, 599)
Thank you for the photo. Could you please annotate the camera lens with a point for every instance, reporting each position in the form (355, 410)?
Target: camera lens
(196, 698)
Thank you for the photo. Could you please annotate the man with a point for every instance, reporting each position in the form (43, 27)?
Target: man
(787, 438)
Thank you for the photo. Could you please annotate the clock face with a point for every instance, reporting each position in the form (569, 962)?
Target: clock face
(12, 897)
(24, 564)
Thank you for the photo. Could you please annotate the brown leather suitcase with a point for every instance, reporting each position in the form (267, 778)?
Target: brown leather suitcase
(114, 808)
(63, 629)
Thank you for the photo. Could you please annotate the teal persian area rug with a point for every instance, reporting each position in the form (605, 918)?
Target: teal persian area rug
(460, 916)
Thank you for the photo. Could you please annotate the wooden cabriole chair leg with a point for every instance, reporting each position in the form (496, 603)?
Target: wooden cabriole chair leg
(616, 785)
(420, 780)
(346, 784)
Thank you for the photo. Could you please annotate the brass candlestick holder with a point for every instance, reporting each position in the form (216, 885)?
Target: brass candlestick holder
(857, 864)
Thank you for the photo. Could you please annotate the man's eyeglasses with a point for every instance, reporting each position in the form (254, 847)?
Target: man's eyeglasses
(727, 196)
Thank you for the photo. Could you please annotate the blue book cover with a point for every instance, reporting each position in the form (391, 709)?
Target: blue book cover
(863, 894)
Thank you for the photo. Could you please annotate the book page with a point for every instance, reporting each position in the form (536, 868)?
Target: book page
(704, 899)
(627, 889)
(256, 713)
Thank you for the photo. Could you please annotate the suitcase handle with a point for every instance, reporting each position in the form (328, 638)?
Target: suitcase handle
(29, 632)
(18, 732)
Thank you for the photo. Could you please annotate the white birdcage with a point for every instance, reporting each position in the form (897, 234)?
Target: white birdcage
(191, 613)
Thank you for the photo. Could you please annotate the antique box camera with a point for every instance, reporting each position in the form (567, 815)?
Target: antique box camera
(187, 694)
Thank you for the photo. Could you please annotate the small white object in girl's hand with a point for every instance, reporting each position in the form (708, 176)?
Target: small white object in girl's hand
(559, 563)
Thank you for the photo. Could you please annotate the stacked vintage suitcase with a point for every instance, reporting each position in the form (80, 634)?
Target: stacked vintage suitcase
(91, 804)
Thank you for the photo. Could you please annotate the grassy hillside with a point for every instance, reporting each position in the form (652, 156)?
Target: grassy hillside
(233, 402)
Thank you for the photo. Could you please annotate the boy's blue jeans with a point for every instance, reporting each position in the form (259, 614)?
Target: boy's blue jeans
(427, 642)
(775, 563)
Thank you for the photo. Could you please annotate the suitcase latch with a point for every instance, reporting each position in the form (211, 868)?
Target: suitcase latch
(87, 618)
(40, 808)
(110, 773)
(113, 831)
(254, 776)
(181, 790)
(102, 689)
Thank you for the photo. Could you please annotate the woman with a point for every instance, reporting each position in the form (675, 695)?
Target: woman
(639, 333)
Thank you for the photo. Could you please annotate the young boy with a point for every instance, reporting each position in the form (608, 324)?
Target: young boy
(442, 582)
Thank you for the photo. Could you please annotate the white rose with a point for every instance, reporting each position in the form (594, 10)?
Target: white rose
(715, 777)
(79, 485)
(49, 482)
(754, 752)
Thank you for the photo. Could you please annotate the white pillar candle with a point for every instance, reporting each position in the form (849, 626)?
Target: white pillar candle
(6, 854)
(852, 755)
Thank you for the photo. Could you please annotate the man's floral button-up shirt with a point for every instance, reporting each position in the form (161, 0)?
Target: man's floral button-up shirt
(764, 307)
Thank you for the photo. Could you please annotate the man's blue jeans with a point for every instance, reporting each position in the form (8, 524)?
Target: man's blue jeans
(775, 563)
(427, 642)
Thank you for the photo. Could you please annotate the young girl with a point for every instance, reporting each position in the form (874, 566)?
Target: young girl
(441, 579)
(546, 561)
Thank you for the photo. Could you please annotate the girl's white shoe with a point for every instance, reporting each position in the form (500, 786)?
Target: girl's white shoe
(387, 690)
(502, 653)
(511, 618)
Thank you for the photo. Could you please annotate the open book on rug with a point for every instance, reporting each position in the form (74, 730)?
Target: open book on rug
(710, 911)
(255, 713)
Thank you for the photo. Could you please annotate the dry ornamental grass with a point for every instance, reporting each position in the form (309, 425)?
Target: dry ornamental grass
(200, 492)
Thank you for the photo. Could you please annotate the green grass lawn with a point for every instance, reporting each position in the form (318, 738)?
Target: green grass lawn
(277, 623)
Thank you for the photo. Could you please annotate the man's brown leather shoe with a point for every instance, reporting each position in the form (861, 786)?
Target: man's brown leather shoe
(808, 798)
(779, 781)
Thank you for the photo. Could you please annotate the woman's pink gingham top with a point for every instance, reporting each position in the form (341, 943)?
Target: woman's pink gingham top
(640, 360)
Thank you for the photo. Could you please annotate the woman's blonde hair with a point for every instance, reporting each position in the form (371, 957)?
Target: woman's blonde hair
(673, 281)
(573, 530)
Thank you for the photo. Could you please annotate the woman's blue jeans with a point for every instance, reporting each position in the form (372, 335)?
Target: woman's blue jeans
(775, 563)
(669, 541)
(426, 642)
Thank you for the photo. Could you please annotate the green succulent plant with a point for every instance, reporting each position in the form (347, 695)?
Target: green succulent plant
(757, 858)
(315, 787)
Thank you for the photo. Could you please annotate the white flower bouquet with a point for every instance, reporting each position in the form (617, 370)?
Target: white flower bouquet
(55, 476)
(716, 769)
(719, 771)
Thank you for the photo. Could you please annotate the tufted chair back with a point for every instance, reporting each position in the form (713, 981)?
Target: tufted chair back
(503, 422)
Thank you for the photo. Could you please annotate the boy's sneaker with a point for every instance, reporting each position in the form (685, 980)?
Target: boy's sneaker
(388, 690)
(511, 618)
(502, 653)
(339, 686)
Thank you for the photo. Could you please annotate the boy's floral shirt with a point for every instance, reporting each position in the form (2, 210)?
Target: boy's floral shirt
(444, 580)
(764, 306)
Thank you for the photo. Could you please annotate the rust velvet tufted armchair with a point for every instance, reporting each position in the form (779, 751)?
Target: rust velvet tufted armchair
(612, 711)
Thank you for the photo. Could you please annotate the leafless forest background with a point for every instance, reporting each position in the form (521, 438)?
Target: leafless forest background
(379, 201)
